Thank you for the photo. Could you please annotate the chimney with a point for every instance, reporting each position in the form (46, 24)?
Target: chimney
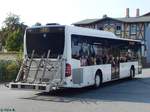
(127, 12)
(137, 12)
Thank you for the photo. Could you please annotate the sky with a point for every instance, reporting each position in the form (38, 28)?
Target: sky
(69, 11)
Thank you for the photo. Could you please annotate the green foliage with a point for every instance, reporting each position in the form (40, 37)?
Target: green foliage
(3, 65)
(19, 58)
(14, 41)
(8, 70)
(11, 34)
(12, 21)
(11, 70)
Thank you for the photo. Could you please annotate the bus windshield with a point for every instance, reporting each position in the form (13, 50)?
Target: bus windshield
(43, 39)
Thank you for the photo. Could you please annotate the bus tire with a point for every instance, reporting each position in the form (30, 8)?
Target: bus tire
(132, 72)
(98, 80)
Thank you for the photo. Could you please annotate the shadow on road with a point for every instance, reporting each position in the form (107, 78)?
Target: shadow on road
(136, 90)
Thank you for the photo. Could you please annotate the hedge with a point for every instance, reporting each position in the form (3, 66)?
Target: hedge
(8, 70)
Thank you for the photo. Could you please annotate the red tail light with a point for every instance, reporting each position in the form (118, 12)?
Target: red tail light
(68, 70)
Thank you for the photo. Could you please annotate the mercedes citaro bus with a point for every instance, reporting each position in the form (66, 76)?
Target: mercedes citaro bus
(60, 56)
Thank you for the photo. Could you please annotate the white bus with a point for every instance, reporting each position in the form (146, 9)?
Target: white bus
(57, 56)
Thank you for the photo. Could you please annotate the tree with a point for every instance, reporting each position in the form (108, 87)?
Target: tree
(14, 41)
(11, 34)
(12, 22)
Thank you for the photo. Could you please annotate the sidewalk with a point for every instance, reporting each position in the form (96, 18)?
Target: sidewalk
(146, 71)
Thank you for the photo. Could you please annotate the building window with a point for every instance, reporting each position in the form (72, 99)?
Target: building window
(133, 28)
(118, 29)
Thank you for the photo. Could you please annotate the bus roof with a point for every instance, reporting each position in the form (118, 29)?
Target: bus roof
(87, 32)
(96, 33)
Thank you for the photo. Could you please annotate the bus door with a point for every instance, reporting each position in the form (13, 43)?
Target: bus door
(115, 69)
(114, 62)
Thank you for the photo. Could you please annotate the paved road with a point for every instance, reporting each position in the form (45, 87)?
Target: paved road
(119, 96)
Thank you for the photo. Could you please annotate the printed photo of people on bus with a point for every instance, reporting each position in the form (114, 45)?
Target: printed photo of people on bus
(95, 53)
